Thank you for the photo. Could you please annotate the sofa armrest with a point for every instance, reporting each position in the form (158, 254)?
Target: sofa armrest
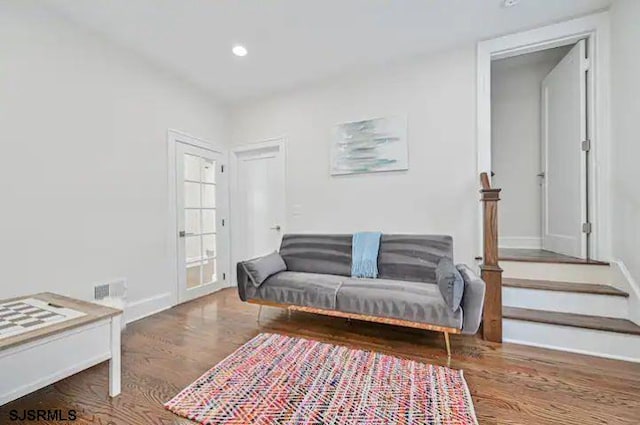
(243, 281)
(472, 300)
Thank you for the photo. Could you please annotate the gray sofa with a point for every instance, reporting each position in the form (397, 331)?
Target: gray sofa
(318, 276)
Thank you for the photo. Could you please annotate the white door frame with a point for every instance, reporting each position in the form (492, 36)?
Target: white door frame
(596, 29)
(174, 137)
(275, 142)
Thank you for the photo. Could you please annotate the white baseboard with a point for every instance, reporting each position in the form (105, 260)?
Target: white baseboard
(558, 272)
(520, 242)
(574, 340)
(571, 350)
(566, 302)
(148, 306)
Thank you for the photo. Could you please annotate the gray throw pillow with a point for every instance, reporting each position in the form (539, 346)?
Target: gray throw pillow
(259, 269)
(450, 283)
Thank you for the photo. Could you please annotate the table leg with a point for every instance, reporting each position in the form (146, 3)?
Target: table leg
(114, 362)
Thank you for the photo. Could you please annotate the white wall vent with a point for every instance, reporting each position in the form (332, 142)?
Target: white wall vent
(114, 289)
(112, 294)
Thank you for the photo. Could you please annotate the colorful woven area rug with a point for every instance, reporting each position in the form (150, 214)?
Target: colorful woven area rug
(274, 379)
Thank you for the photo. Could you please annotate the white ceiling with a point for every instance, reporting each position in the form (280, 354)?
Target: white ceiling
(295, 42)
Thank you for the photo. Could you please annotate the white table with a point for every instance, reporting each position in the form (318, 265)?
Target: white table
(35, 359)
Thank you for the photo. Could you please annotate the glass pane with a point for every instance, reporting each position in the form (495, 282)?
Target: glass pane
(193, 275)
(209, 245)
(208, 196)
(191, 195)
(192, 221)
(192, 249)
(208, 221)
(191, 167)
(209, 271)
(208, 170)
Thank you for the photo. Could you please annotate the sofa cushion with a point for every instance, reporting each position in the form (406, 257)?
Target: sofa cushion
(412, 257)
(303, 289)
(412, 301)
(450, 283)
(259, 269)
(326, 254)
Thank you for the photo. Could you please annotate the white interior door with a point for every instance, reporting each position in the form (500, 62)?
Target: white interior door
(201, 194)
(260, 200)
(564, 163)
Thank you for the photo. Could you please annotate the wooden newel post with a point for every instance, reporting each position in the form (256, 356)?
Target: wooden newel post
(490, 270)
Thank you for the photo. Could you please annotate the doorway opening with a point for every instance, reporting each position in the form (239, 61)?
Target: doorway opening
(540, 145)
(595, 31)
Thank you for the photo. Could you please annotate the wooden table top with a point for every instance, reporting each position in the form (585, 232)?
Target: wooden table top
(93, 313)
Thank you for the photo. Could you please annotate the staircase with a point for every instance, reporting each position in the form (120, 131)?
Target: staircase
(567, 304)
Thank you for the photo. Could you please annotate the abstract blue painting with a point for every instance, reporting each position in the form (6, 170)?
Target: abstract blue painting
(369, 146)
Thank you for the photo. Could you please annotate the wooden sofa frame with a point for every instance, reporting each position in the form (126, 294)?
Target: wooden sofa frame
(386, 320)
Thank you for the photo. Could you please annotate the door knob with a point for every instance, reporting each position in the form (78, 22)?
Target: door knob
(276, 227)
(541, 174)
(182, 234)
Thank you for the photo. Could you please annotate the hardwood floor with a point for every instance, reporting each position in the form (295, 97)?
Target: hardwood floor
(573, 287)
(583, 321)
(510, 384)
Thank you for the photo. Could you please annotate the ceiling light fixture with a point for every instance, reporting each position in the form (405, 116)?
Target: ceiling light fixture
(510, 3)
(239, 50)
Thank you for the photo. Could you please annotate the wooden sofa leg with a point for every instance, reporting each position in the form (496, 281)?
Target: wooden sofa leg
(259, 311)
(446, 340)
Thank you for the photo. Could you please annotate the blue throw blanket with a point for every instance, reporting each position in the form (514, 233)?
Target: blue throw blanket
(364, 252)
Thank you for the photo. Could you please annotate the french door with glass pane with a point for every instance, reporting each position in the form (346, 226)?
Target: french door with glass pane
(200, 190)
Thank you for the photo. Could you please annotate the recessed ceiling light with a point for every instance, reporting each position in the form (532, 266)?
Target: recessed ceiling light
(510, 3)
(239, 50)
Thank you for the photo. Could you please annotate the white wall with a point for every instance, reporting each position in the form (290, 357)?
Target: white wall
(625, 27)
(515, 143)
(83, 158)
(439, 192)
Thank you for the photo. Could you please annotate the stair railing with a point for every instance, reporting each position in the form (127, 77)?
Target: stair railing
(490, 269)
